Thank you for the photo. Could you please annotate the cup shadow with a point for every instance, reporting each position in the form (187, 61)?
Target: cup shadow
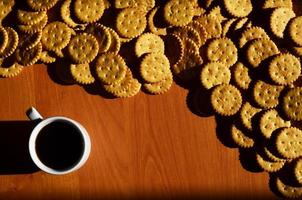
(14, 152)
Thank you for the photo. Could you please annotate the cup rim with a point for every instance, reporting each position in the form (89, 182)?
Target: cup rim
(32, 145)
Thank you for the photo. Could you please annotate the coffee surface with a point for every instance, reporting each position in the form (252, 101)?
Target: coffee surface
(59, 145)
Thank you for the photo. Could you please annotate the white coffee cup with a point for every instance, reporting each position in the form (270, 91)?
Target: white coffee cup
(33, 114)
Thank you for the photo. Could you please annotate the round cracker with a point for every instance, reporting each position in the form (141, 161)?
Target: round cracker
(226, 99)
(240, 138)
(271, 121)
(29, 17)
(149, 43)
(110, 68)
(89, 11)
(128, 87)
(292, 104)
(45, 57)
(241, 76)
(29, 41)
(279, 20)
(238, 8)
(294, 29)
(154, 67)
(214, 73)
(216, 13)
(289, 142)
(266, 95)
(83, 48)
(211, 25)
(40, 5)
(160, 87)
(203, 35)
(31, 29)
(226, 26)
(131, 22)
(247, 113)
(178, 12)
(259, 50)
(81, 73)
(10, 71)
(55, 36)
(251, 34)
(284, 69)
(269, 166)
(222, 50)
(187, 69)
(287, 190)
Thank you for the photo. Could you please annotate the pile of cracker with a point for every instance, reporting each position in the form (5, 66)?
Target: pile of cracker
(244, 53)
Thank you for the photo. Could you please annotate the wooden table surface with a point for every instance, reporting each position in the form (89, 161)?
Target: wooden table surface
(145, 146)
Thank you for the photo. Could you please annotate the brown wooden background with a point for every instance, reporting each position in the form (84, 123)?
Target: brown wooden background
(145, 146)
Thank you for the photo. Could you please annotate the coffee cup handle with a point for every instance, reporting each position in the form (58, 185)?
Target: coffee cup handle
(33, 114)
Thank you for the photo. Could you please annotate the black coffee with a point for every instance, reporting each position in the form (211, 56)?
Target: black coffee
(59, 145)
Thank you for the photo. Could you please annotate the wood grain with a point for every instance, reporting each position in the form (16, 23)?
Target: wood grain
(146, 146)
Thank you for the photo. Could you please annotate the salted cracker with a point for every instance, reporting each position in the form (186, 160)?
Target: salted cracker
(269, 166)
(56, 36)
(259, 50)
(131, 22)
(110, 68)
(40, 5)
(279, 20)
(83, 48)
(81, 73)
(284, 69)
(30, 17)
(89, 11)
(214, 73)
(271, 121)
(149, 43)
(247, 113)
(240, 138)
(252, 33)
(222, 50)
(292, 104)
(287, 190)
(289, 142)
(241, 75)
(178, 12)
(238, 8)
(154, 67)
(160, 87)
(226, 99)
(266, 95)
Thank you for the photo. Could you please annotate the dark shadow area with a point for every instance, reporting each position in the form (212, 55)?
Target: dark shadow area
(223, 130)
(14, 156)
(247, 158)
(198, 102)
